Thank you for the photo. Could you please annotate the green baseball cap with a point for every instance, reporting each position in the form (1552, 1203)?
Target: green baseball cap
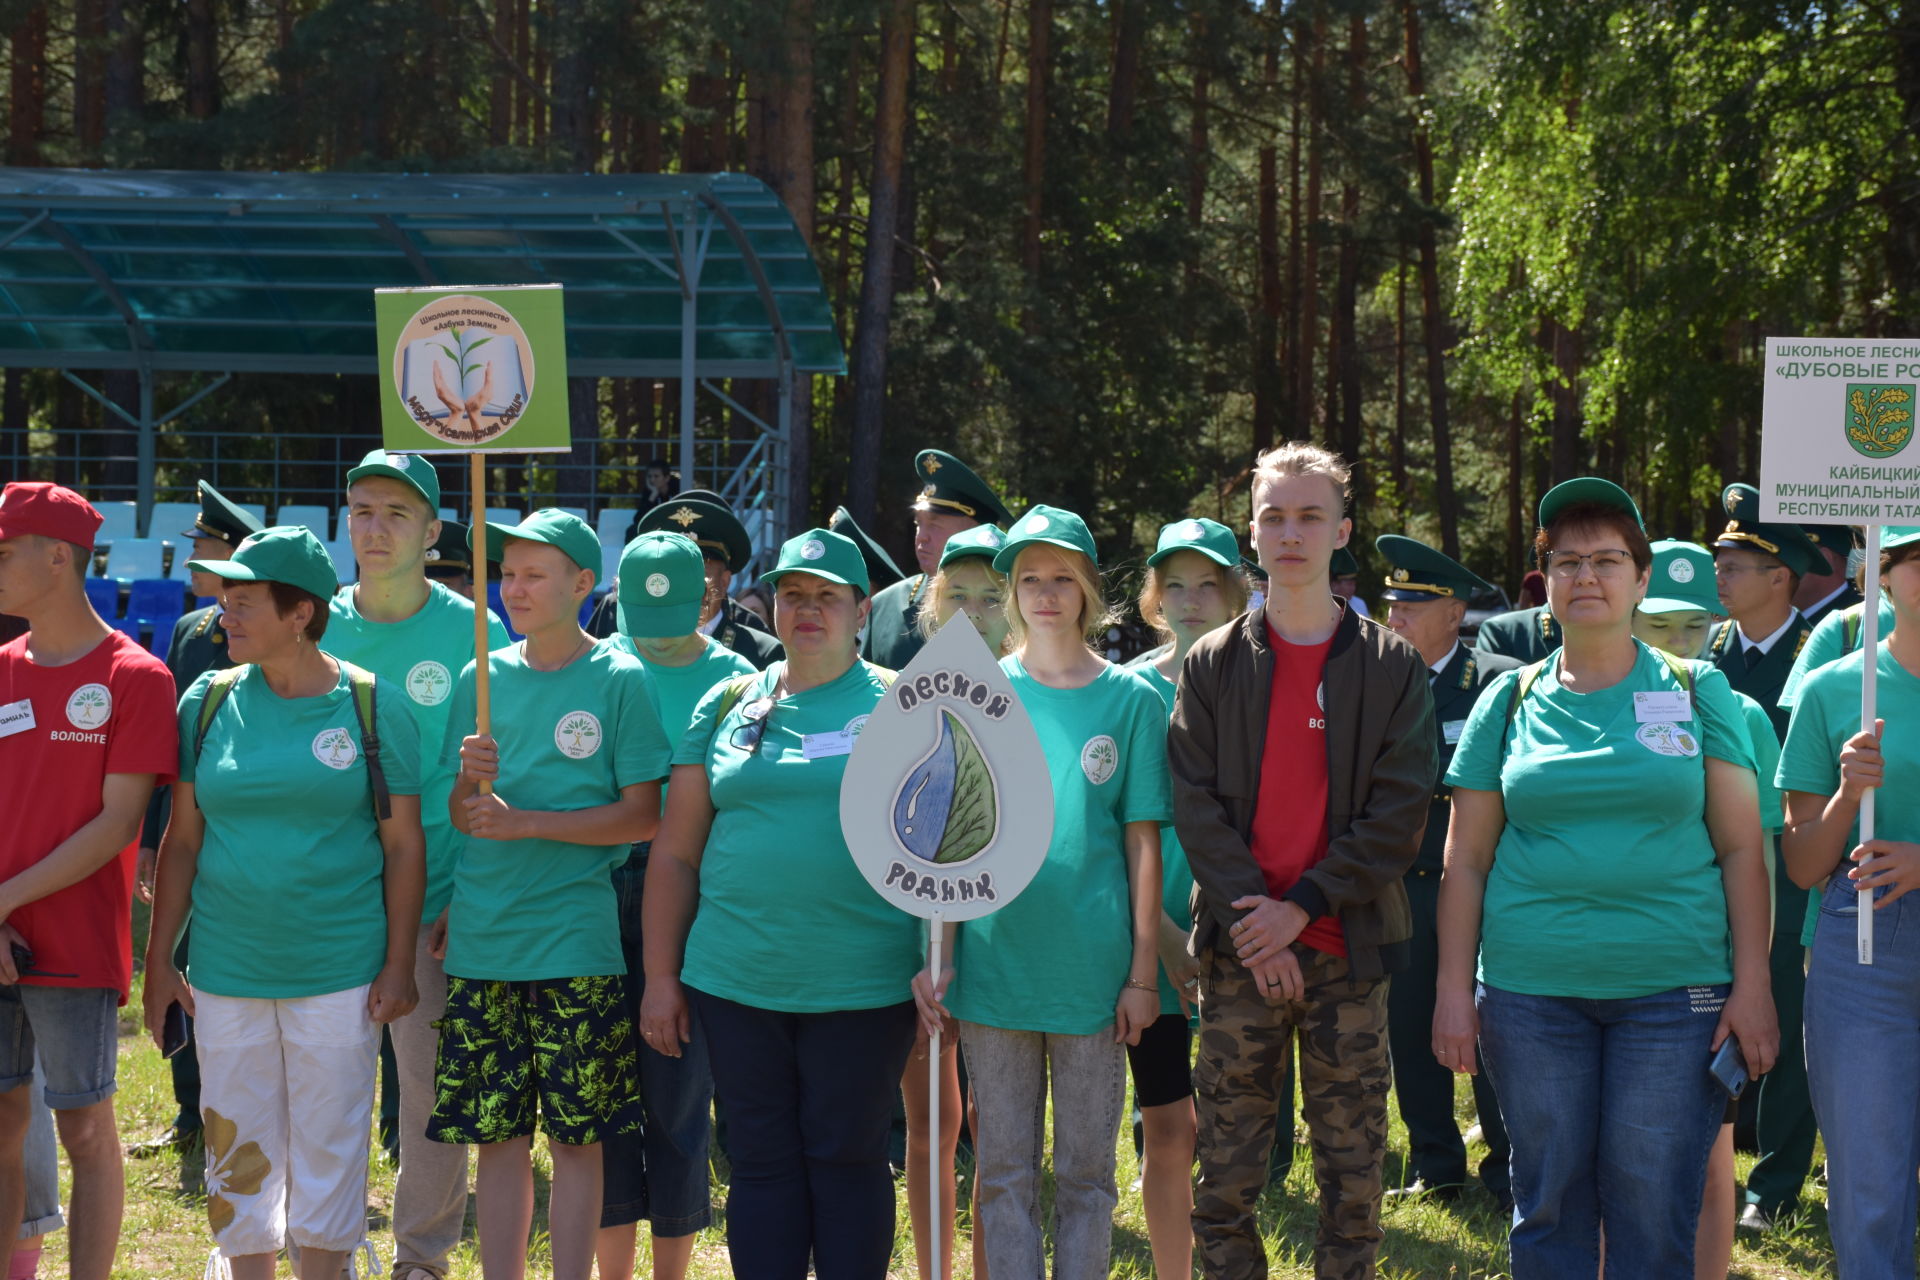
(288, 553)
(1055, 526)
(663, 579)
(1682, 579)
(824, 554)
(556, 528)
(408, 468)
(1898, 535)
(1587, 489)
(1421, 573)
(1209, 537)
(983, 541)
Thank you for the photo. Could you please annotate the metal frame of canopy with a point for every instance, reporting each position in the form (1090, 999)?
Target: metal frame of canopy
(697, 278)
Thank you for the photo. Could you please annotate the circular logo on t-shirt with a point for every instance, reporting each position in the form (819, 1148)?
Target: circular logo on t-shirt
(1320, 694)
(335, 748)
(812, 549)
(1034, 524)
(89, 706)
(429, 683)
(577, 734)
(1099, 758)
(657, 585)
(1668, 740)
(855, 725)
(1681, 571)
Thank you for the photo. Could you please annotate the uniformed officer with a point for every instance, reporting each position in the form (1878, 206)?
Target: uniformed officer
(952, 498)
(882, 572)
(1344, 576)
(1525, 635)
(1758, 569)
(710, 522)
(450, 560)
(198, 645)
(1828, 587)
(1426, 596)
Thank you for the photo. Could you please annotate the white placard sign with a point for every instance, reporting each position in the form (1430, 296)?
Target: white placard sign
(1836, 447)
(946, 803)
(1837, 431)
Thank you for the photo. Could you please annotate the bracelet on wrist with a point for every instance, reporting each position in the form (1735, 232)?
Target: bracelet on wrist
(1134, 984)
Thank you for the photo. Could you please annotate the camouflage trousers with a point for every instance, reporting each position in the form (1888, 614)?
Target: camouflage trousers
(1341, 1026)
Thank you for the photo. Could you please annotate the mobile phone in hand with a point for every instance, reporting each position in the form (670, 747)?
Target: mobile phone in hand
(1729, 1068)
(173, 1030)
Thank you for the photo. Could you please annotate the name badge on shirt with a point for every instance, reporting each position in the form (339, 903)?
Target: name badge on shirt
(815, 746)
(1666, 707)
(16, 717)
(1450, 731)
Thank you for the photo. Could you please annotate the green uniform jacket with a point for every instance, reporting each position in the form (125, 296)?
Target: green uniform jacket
(893, 626)
(1764, 681)
(1525, 635)
(739, 630)
(1847, 598)
(1458, 686)
(198, 646)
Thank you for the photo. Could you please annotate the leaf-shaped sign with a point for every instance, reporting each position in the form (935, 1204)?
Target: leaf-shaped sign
(947, 803)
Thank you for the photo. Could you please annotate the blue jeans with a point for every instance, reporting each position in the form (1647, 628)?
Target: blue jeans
(659, 1173)
(1863, 1044)
(1611, 1115)
(808, 1098)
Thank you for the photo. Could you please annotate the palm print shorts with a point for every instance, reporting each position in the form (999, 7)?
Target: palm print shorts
(563, 1048)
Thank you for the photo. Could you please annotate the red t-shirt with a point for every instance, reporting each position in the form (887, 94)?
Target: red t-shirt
(62, 731)
(1290, 816)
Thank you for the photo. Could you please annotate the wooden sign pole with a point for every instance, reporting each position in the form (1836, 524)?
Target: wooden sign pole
(482, 693)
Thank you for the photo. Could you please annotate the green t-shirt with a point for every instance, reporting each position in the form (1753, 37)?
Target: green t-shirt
(677, 690)
(1056, 957)
(1828, 713)
(786, 921)
(1606, 838)
(1828, 643)
(1766, 758)
(421, 655)
(1176, 878)
(570, 739)
(289, 897)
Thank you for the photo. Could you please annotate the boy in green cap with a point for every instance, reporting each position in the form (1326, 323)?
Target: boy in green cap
(660, 1173)
(418, 635)
(540, 1018)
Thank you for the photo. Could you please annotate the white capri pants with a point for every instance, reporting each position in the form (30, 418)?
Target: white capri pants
(286, 1091)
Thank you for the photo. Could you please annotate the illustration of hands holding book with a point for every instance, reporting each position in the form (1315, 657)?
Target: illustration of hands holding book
(453, 383)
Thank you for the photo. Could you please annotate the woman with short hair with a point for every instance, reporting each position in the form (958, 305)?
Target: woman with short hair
(757, 921)
(1604, 870)
(296, 839)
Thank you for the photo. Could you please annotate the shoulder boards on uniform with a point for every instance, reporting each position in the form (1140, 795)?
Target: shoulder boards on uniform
(1801, 643)
(1546, 625)
(1720, 638)
(1466, 676)
(206, 621)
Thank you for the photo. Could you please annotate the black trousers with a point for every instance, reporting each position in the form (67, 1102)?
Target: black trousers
(808, 1098)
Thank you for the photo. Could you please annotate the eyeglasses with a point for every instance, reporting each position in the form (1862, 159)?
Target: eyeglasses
(755, 717)
(1607, 563)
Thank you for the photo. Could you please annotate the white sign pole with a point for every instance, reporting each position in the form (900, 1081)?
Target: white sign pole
(1869, 643)
(937, 1207)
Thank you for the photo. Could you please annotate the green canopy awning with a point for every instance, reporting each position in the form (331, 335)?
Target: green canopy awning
(666, 275)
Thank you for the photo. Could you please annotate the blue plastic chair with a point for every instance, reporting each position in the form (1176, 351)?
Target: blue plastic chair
(104, 595)
(156, 603)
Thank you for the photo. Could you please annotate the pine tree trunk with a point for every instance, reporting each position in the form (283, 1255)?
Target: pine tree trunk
(1347, 297)
(203, 59)
(1123, 89)
(1516, 528)
(1306, 413)
(876, 281)
(1433, 317)
(27, 92)
(1399, 447)
(1288, 405)
(1198, 124)
(500, 94)
(90, 76)
(1039, 41)
(1267, 392)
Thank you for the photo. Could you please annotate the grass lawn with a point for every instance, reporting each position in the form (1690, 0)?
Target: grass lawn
(166, 1227)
